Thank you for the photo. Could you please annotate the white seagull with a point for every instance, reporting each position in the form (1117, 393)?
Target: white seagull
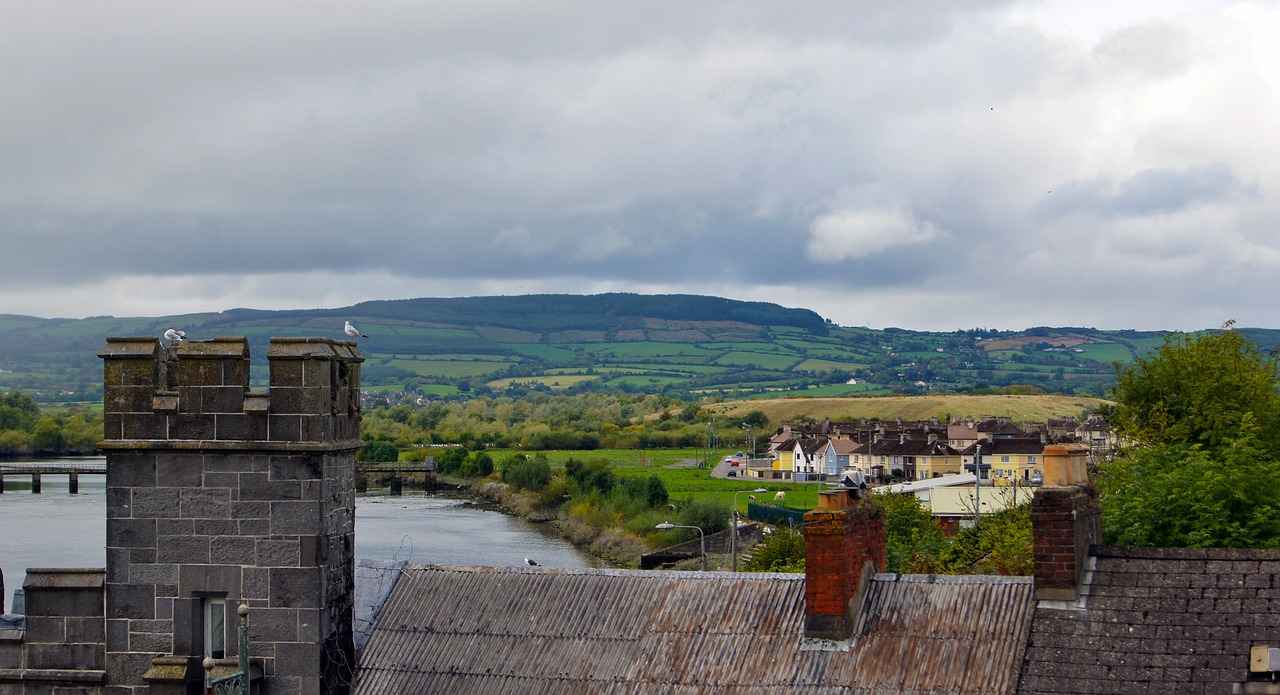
(174, 336)
(530, 563)
(353, 332)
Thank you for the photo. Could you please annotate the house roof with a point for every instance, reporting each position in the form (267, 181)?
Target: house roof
(1019, 445)
(552, 630)
(1158, 620)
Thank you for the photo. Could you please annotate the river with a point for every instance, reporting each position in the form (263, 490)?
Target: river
(58, 529)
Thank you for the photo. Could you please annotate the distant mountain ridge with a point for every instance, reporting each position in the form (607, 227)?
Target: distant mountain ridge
(687, 345)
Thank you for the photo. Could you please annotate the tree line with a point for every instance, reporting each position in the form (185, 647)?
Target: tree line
(25, 430)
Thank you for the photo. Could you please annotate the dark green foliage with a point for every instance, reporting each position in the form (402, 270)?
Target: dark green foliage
(1179, 496)
(707, 513)
(757, 419)
(526, 473)
(477, 464)
(1205, 413)
(592, 475)
(914, 539)
(378, 451)
(639, 494)
(780, 551)
(48, 437)
(450, 462)
(1000, 544)
(1198, 389)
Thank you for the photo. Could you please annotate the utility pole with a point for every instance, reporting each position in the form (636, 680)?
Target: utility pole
(977, 483)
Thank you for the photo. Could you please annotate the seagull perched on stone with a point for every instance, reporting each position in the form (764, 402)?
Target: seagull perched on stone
(353, 331)
(530, 563)
(174, 336)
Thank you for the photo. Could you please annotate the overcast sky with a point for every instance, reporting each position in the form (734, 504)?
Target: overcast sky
(934, 164)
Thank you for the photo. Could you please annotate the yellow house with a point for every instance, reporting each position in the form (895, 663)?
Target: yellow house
(1004, 460)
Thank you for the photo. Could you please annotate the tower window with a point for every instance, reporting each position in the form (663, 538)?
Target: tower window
(215, 627)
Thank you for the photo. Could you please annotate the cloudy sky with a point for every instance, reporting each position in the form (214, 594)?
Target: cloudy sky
(934, 164)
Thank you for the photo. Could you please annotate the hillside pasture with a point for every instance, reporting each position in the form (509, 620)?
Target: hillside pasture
(760, 359)
(556, 381)
(1018, 408)
(448, 368)
(648, 349)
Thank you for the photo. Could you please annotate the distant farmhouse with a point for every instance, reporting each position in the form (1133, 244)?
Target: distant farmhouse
(229, 508)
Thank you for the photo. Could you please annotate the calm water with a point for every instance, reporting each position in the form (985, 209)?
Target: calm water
(58, 529)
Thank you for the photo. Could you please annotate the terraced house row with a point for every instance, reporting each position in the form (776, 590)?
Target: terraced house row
(922, 450)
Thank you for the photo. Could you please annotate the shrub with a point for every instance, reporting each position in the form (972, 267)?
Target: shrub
(782, 551)
(526, 473)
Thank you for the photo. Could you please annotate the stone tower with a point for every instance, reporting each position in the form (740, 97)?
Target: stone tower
(219, 496)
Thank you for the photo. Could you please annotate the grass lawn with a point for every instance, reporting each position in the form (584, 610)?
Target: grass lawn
(681, 483)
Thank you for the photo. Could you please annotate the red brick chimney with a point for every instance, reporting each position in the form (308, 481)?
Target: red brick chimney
(844, 544)
(1065, 521)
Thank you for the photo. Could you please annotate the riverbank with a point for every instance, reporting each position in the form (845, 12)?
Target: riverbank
(612, 546)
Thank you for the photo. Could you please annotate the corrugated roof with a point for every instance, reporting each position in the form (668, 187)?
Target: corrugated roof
(551, 630)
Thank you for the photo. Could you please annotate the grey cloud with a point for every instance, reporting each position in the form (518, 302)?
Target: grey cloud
(1148, 192)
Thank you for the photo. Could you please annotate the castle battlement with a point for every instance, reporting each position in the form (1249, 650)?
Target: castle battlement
(196, 394)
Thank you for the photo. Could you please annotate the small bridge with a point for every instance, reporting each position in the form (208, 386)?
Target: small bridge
(35, 469)
(396, 473)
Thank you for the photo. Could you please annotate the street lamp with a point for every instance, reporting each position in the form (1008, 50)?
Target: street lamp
(702, 538)
(733, 523)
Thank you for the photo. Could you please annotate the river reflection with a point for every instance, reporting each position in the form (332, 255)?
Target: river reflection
(58, 529)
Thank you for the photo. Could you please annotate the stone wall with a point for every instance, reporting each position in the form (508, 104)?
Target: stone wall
(215, 491)
(61, 649)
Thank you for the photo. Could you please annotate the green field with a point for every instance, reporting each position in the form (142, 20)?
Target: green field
(648, 349)
(684, 483)
(760, 359)
(550, 353)
(1104, 352)
(555, 381)
(448, 368)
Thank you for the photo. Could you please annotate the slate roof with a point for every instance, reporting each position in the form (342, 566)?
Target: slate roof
(1157, 620)
(997, 447)
(550, 630)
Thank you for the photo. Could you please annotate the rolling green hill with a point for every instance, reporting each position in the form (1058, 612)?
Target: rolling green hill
(679, 344)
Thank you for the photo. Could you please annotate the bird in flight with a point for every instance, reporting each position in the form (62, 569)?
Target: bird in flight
(530, 563)
(353, 332)
(174, 336)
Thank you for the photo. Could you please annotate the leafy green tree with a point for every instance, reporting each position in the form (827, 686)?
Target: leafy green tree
(1001, 544)
(1205, 414)
(707, 513)
(48, 437)
(450, 461)
(1186, 496)
(1198, 388)
(526, 473)
(913, 539)
(781, 551)
(477, 463)
(590, 475)
(379, 451)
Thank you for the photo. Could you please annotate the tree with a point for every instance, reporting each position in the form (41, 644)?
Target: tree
(1205, 415)
(379, 451)
(781, 551)
(1198, 388)
(913, 539)
(1185, 496)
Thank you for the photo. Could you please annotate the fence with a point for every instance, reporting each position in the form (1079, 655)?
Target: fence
(775, 514)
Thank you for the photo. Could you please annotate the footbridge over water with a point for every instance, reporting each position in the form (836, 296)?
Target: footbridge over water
(36, 469)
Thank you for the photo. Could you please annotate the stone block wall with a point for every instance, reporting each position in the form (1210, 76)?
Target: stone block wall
(61, 651)
(218, 491)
